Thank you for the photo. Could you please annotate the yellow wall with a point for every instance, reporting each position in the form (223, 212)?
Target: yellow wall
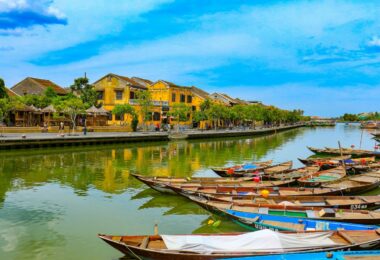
(109, 85)
(161, 94)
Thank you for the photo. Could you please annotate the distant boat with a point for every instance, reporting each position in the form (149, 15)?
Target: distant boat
(345, 151)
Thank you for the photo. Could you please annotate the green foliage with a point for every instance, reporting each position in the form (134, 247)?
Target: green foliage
(5, 107)
(3, 91)
(85, 90)
(72, 107)
(134, 123)
(240, 114)
(50, 93)
(199, 116)
(179, 111)
(144, 99)
(121, 110)
(36, 100)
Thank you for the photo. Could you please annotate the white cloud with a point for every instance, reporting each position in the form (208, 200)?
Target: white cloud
(374, 42)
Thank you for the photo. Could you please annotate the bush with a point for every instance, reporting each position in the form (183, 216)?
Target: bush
(134, 123)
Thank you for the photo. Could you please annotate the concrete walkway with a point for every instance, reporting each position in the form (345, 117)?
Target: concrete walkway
(31, 140)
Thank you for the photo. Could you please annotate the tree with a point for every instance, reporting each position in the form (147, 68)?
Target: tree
(36, 100)
(214, 113)
(180, 112)
(71, 107)
(144, 99)
(350, 117)
(50, 93)
(5, 107)
(121, 110)
(3, 91)
(85, 90)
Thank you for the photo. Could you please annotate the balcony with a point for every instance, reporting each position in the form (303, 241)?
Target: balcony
(154, 102)
(133, 102)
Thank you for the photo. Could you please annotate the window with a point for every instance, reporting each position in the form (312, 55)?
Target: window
(189, 99)
(119, 117)
(119, 94)
(100, 95)
(109, 116)
(193, 108)
(156, 116)
(173, 97)
(182, 98)
(132, 95)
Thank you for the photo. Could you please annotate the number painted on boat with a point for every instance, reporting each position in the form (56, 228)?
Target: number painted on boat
(358, 206)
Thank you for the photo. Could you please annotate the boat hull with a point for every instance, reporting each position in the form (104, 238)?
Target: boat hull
(150, 254)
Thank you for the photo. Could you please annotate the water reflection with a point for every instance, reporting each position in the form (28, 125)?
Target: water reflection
(108, 168)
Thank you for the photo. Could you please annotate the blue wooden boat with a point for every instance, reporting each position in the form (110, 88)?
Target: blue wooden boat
(342, 255)
(288, 223)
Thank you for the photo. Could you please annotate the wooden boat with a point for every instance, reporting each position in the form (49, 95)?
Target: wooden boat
(241, 169)
(344, 255)
(271, 169)
(289, 213)
(323, 160)
(346, 186)
(336, 161)
(294, 173)
(257, 171)
(155, 247)
(359, 168)
(255, 221)
(345, 151)
(357, 183)
(343, 202)
(278, 168)
(159, 183)
(246, 184)
(325, 176)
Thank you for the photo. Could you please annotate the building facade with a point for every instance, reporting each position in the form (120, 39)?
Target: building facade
(114, 89)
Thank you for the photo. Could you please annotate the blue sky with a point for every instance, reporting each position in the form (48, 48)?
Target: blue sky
(320, 56)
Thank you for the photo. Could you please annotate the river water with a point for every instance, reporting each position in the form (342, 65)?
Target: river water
(53, 202)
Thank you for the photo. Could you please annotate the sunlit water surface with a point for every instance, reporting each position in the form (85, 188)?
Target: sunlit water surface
(53, 202)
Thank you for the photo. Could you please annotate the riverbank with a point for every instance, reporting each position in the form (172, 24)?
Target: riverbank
(36, 140)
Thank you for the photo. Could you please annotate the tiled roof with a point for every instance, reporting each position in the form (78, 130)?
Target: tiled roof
(129, 81)
(145, 81)
(47, 83)
(10, 92)
(200, 92)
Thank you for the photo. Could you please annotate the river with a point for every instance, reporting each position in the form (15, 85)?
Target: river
(53, 202)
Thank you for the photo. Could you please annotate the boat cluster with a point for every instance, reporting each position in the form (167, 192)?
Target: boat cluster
(286, 211)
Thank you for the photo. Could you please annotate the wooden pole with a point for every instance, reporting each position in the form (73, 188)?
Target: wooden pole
(361, 139)
(341, 154)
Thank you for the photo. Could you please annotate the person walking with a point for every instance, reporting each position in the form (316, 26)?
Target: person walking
(61, 129)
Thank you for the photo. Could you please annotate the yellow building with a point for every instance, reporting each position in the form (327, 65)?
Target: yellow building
(115, 89)
(165, 94)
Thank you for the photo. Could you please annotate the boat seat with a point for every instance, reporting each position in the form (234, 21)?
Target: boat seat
(346, 237)
(310, 213)
(145, 242)
(291, 226)
(263, 210)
